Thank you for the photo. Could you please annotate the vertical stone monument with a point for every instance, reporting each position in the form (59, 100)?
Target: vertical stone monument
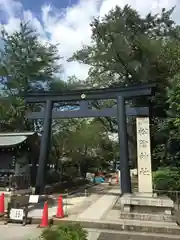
(144, 157)
(144, 205)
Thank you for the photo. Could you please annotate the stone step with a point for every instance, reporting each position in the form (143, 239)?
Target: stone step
(128, 225)
(116, 235)
(129, 236)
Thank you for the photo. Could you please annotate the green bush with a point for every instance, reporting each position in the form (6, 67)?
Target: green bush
(64, 232)
(167, 179)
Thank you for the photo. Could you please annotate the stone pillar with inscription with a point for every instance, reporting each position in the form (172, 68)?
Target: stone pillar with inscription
(144, 205)
(144, 156)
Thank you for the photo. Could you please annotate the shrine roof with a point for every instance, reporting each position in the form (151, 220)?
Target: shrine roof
(12, 139)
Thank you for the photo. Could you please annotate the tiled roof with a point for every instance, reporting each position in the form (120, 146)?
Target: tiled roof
(12, 139)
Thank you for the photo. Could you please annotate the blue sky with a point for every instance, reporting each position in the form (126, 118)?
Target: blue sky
(66, 22)
(35, 5)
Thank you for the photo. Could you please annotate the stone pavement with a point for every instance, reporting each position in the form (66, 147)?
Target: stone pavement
(18, 232)
(100, 207)
(100, 214)
(31, 232)
(68, 204)
(73, 205)
(96, 211)
(97, 208)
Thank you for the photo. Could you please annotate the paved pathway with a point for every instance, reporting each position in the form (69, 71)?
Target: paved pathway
(99, 208)
(68, 204)
(75, 204)
(31, 232)
(18, 232)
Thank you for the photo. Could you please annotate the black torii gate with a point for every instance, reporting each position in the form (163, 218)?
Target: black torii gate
(84, 97)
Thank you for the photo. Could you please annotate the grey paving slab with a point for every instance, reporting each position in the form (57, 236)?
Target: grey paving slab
(30, 232)
(98, 209)
(18, 232)
(93, 235)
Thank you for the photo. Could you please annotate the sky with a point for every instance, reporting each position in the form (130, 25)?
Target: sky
(66, 22)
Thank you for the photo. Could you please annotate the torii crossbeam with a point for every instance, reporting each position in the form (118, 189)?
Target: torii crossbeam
(84, 97)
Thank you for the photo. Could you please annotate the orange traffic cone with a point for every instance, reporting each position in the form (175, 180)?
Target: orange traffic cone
(44, 220)
(60, 211)
(2, 211)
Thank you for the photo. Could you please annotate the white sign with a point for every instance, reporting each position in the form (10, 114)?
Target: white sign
(144, 155)
(33, 198)
(16, 214)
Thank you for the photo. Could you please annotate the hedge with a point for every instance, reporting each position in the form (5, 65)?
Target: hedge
(167, 179)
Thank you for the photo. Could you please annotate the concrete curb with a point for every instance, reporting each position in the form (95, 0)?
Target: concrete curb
(89, 224)
(115, 226)
(121, 226)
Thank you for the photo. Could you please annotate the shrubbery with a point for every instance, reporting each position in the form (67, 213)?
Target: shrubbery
(167, 179)
(64, 232)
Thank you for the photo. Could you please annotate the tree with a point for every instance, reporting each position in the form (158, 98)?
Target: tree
(84, 142)
(129, 49)
(26, 64)
(171, 129)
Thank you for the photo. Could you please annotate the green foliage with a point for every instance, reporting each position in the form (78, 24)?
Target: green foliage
(83, 143)
(167, 151)
(84, 135)
(130, 49)
(25, 64)
(174, 99)
(167, 179)
(126, 49)
(65, 232)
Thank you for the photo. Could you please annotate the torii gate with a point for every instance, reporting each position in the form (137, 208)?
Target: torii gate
(85, 97)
